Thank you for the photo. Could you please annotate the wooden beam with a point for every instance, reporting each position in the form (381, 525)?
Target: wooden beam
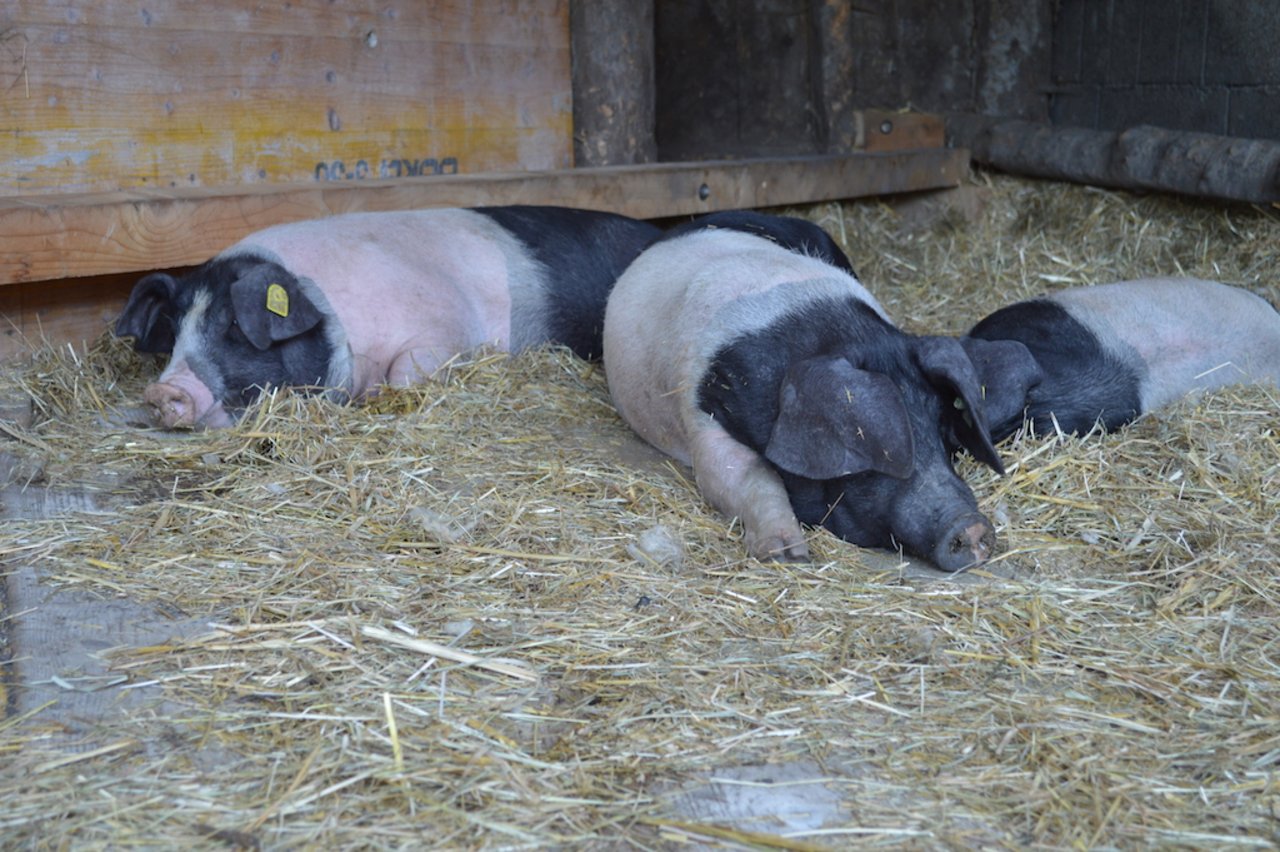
(1204, 165)
(52, 237)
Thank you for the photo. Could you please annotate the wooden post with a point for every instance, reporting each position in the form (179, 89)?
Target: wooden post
(834, 76)
(613, 103)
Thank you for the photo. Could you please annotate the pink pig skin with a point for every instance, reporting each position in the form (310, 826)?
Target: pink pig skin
(407, 300)
(182, 400)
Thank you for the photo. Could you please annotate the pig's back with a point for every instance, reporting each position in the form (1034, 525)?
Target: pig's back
(1190, 334)
(580, 254)
(681, 301)
(406, 264)
(434, 282)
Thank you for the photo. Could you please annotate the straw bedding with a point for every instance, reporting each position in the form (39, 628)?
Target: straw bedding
(477, 614)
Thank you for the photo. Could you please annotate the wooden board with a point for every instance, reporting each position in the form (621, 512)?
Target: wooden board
(102, 95)
(53, 237)
(777, 77)
(885, 130)
(736, 78)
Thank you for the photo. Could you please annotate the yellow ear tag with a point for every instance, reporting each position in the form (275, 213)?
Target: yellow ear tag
(277, 300)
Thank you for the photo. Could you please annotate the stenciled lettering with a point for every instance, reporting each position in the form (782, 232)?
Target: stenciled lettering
(387, 168)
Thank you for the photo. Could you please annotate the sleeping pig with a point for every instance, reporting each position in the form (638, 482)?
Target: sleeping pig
(1109, 353)
(354, 301)
(743, 345)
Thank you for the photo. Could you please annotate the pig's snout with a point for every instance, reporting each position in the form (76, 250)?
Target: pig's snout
(969, 541)
(180, 400)
(171, 405)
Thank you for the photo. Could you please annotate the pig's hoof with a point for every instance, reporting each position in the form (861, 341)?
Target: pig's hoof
(778, 549)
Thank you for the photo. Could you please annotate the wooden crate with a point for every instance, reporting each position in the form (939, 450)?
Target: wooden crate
(102, 95)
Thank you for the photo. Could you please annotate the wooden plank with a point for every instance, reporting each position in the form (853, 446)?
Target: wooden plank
(78, 310)
(51, 237)
(836, 63)
(109, 94)
(885, 130)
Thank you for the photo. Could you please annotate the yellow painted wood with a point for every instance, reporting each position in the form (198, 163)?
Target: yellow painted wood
(102, 95)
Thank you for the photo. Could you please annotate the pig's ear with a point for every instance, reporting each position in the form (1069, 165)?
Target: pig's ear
(148, 315)
(1008, 371)
(270, 306)
(836, 420)
(964, 414)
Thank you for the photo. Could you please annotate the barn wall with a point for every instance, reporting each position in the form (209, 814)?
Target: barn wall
(1200, 65)
(988, 56)
(107, 95)
(736, 78)
(754, 77)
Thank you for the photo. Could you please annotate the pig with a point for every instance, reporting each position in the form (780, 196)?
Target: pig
(743, 345)
(355, 301)
(1109, 353)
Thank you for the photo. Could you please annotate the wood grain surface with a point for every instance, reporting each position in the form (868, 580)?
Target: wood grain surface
(102, 95)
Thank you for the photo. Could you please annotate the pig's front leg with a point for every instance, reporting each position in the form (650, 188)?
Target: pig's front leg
(412, 367)
(740, 483)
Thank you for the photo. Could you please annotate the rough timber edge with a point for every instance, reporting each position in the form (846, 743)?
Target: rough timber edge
(54, 237)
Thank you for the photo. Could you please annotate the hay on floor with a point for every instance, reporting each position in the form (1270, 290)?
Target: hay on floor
(474, 614)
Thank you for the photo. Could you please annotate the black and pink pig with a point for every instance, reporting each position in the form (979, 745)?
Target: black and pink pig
(743, 345)
(355, 301)
(1108, 353)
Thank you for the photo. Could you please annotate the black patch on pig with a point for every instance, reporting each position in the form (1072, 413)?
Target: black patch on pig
(584, 252)
(1081, 382)
(829, 422)
(254, 298)
(241, 346)
(148, 317)
(750, 381)
(1007, 372)
(963, 424)
(795, 235)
